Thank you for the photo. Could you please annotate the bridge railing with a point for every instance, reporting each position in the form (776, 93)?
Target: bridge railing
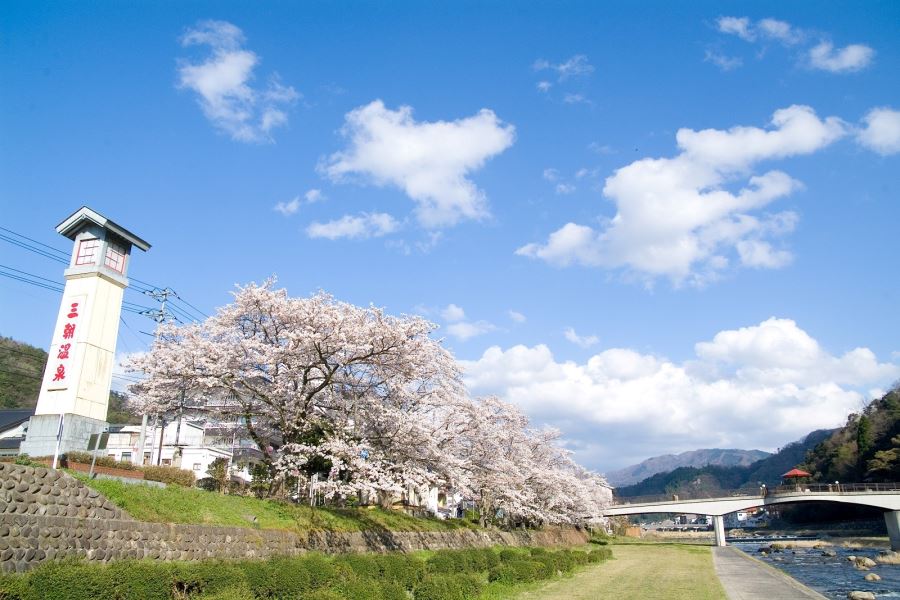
(819, 488)
(737, 493)
(760, 492)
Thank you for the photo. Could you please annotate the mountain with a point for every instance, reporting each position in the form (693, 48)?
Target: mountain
(709, 480)
(693, 458)
(866, 449)
(21, 372)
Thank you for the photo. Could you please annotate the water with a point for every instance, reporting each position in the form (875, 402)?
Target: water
(832, 576)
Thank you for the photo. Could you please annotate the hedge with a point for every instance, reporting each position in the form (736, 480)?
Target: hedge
(446, 575)
(169, 475)
(103, 461)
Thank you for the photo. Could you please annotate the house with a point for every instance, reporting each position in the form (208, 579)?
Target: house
(169, 445)
(13, 425)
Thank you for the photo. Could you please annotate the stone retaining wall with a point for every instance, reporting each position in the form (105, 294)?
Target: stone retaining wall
(40, 491)
(48, 515)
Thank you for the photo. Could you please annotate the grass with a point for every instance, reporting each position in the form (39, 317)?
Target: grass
(193, 506)
(664, 571)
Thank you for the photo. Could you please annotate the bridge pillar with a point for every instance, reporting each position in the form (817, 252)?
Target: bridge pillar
(892, 520)
(719, 526)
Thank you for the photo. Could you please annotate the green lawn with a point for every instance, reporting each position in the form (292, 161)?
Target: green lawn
(188, 505)
(647, 571)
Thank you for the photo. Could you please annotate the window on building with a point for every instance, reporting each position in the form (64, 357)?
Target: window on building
(146, 458)
(167, 462)
(126, 456)
(197, 466)
(87, 251)
(115, 257)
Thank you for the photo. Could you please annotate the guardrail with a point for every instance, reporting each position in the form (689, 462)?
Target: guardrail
(762, 492)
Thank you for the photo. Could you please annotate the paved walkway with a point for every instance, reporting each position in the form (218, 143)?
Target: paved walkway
(746, 578)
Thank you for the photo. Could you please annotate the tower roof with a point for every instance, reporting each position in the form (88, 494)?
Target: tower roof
(73, 224)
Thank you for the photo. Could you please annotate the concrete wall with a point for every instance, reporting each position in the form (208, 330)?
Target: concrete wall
(48, 515)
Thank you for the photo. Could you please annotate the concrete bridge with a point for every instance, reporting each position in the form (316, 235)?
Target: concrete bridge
(885, 496)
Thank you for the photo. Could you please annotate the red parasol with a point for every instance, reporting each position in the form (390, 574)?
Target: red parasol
(796, 473)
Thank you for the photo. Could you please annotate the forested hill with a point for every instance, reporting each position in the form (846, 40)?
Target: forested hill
(867, 448)
(693, 458)
(693, 481)
(21, 372)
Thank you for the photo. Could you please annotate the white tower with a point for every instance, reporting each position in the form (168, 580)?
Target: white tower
(74, 394)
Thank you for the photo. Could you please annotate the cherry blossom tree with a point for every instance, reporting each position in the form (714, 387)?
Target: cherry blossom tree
(367, 404)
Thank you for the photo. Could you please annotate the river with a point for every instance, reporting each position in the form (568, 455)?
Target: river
(832, 576)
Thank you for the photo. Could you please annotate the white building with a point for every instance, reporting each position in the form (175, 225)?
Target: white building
(169, 446)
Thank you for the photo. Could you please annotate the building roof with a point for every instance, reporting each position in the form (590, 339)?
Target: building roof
(72, 225)
(13, 418)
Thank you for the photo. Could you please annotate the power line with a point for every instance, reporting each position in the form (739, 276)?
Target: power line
(36, 378)
(35, 241)
(138, 285)
(35, 283)
(32, 248)
(22, 352)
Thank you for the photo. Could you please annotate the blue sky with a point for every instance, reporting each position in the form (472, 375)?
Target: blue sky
(735, 287)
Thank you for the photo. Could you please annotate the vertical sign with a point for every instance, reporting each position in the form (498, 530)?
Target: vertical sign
(61, 361)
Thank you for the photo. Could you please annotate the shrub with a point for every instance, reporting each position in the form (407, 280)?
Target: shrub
(321, 571)
(517, 571)
(321, 595)
(510, 554)
(406, 571)
(169, 475)
(103, 461)
(447, 562)
(470, 584)
(600, 554)
(440, 587)
(68, 580)
(12, 587)
(278, 578)
(208, 577)
(362, 565)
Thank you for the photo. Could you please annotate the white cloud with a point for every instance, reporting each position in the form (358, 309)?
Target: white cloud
(516, 316)
(822, 56)
(598, 148)
(363, 226)
(780, 31)
(882, 131)
(854, 57)
(564, 188)
(459, 327)
(430, 161)
(575, 66)
(453, 313)
(739, 26)
(576, 99)
(761, 255)
(726, 63)
(677, 217)
(313, 196)
(773, 29)
(759, 386)
(544, 86)
(288, 208)
(465, 330)
(551, 174)
(222, 82)
(585, 341)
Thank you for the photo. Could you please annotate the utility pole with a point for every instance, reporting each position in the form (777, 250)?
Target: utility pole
(160, 315)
